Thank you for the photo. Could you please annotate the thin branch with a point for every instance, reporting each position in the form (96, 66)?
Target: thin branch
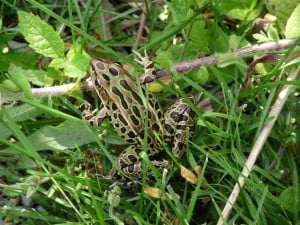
(180, 67)
(258, 146)
(50, 91)
(243, 52)
(140, 30)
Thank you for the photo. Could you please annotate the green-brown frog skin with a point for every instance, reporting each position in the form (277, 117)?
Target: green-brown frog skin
(122, 104)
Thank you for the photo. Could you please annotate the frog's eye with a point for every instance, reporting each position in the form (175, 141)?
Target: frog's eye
(100, 65)
(118, 64)
(150, 65)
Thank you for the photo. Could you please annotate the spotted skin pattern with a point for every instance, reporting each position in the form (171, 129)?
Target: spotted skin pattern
(126, 111)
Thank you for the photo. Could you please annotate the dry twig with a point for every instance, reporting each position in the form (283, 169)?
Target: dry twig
(180, 67)
(258, 146)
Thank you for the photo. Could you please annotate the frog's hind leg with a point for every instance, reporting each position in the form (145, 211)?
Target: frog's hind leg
(131, 166)
(178, 119)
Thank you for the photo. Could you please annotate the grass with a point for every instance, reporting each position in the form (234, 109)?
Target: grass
(51, 157)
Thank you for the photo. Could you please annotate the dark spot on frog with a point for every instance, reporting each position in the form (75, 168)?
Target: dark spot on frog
(113, 71)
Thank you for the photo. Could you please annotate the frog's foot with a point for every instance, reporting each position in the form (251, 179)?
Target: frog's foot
(179, 125)
(92, 116)
(134, 172)
(148, 65)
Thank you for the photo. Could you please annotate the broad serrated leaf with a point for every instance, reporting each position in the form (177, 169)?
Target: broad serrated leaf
(78, 62)
(75, 64)
(71, 70)
(40, 35)
(38, 77)
(58, 63)
(292, 29)
(199, 38)
(219, 40)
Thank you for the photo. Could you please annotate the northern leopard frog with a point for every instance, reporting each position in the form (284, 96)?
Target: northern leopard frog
(127, 113)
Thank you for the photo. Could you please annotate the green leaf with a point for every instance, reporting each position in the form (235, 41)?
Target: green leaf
(289, 202)
(66, 135)
(164, 58)
(19, 113)
(199, 38)
(71, 70)
(226, 59)
(5, 38)
(201, 75)
(20, 80)
(22, 59)
(9, 85)
(168, 33)
(282, 10)
(76, 63)
(219, 40)
(181, 9)
(41, 36)
(238, 9)
(58, 63)
(38, 77)
(292, 29)
(79, 62)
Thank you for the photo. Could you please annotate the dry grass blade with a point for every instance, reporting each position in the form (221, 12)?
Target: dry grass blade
(257, 147)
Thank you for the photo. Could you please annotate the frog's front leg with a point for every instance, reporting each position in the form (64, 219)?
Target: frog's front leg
(178, 119)
(130, 164)
(93, 117)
